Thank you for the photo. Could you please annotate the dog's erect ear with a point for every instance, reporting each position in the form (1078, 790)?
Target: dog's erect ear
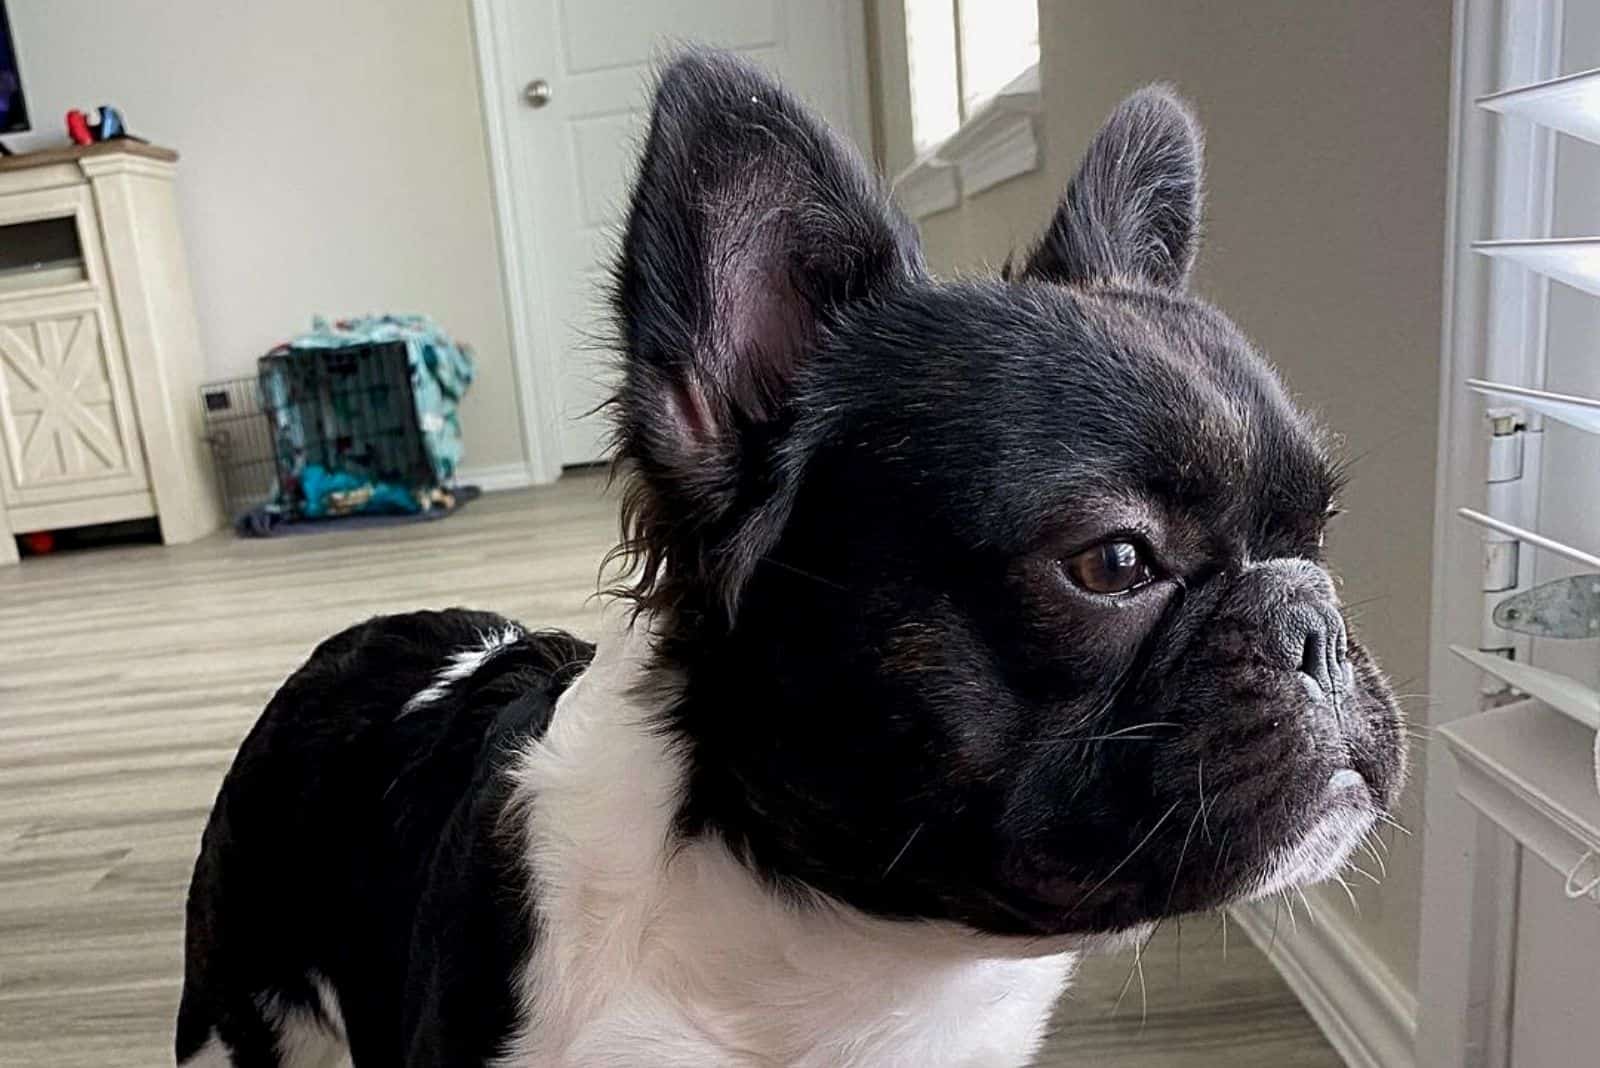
(1132, 212)
(752, 225)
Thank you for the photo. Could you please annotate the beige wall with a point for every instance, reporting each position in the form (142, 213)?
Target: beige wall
(333, 162)
(1326, 130)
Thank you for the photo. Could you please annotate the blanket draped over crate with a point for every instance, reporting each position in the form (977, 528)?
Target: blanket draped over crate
(357, 419)
(363, 419)
(441, 371)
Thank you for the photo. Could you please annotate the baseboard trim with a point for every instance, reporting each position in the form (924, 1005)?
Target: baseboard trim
(1369, 1018)
(495, 478)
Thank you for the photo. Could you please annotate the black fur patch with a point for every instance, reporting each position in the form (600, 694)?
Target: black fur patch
(854, 488)
(859, 498)
(364, 846)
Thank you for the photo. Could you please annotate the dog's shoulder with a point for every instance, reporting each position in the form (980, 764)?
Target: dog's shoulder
(405, 706)
(358, 839)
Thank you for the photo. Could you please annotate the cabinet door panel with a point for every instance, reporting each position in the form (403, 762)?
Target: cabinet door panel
(67, 427)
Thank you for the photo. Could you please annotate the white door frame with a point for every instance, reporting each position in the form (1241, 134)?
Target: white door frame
(523, 281)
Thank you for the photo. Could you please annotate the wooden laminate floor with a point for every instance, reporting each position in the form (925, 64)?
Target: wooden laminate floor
(128, 676)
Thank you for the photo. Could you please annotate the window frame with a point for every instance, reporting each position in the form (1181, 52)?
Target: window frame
(996, 138)
(1500, 777)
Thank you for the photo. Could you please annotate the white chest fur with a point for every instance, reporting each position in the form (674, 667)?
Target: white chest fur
(650, 954)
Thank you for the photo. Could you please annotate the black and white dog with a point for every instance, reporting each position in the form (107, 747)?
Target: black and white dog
(972, 625)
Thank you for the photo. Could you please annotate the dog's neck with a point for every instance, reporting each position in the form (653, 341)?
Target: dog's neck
(655, 950)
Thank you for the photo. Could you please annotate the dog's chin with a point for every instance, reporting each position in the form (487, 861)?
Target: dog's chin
(1315, 847)
(1345, 816)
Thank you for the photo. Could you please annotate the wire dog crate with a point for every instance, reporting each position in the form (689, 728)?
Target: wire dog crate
(240, 436)
(321, 432)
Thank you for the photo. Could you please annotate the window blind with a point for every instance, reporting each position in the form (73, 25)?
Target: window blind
(1517, 400)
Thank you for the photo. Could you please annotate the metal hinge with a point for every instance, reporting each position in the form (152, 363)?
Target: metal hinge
(1563, 608)
(1505, 497)
(1511, 494)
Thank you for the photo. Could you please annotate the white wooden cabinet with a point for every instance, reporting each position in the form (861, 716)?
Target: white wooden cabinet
(100, 361)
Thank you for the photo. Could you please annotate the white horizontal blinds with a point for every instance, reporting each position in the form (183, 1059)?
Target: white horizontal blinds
(1518, 398)
(1532, 537)
(1575, 411)
(1558, 691)
(1569, 104)
(1573, 260)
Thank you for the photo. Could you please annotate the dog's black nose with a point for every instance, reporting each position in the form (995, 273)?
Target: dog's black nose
(1316, 633)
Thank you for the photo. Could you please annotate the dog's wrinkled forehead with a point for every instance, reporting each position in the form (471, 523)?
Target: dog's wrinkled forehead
(1027, 400)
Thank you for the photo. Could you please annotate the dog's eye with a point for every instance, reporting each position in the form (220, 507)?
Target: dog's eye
(1109, 568)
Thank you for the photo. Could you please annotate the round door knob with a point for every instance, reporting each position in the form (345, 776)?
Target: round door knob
(537, 93)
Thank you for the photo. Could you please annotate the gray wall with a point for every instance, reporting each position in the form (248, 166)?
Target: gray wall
(333, 162)
(1326, 128)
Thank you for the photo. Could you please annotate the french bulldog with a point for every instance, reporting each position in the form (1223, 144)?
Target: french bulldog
(970, 626)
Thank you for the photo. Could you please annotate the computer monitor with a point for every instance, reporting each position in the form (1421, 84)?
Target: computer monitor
(13, 108)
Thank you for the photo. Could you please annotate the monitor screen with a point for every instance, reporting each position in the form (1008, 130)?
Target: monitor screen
(13, 109)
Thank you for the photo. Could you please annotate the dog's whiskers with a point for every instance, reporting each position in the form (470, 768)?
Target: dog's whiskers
(814, 577)
(1288, 905)
(1124, 734)
(1131, 853)
(1359, 870)
(1311, 913)
(1385, 818)
(1138, 968)
(1223, 852)
(1377, 858)
(1099, 709)
(911, 838)
(1183, 854)
(1351, 894)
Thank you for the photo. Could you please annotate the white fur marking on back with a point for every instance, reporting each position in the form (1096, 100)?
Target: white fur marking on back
(674, 955)
(328, 1000)
(211, 1055)
(305, 1039)
(462, 665)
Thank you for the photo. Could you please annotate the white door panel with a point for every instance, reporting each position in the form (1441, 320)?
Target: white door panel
(609, 34)
(571, 159)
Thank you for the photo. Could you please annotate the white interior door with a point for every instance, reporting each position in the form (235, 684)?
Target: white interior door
(569, 149)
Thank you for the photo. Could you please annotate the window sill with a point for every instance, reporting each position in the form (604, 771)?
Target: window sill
(998, 142)
(1530, 770)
